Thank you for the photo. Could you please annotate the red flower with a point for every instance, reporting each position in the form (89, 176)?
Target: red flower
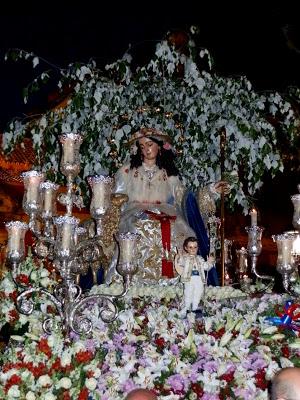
(285, 351)
(13, 316)
(43, 347)
(160, 342)
(23, 279)
(38, 370)
(90, 374)
(66, 395)
(84, 356)
(56, 366)
(227, 377)
(13, 380)
(84, 394)
(13, 295)
(218, 334)
(197, 388)
(260, 379)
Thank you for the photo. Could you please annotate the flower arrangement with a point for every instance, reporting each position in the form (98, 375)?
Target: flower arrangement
(173, 94)
(232, 352)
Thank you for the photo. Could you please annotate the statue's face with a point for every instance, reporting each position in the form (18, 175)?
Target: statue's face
(192, 248)
(149, 148)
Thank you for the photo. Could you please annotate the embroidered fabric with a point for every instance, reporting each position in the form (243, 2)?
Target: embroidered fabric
(159, 197)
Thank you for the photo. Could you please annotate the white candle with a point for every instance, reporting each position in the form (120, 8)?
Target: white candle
(68, 151)
(127, 249)
(296, 246)
(66, 236)
(48, 195)
(99, 194)
(14, 242)
(253, 214)
(33, 189)
(286, 251)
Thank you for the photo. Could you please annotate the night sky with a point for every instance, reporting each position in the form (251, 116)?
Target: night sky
(259, 41)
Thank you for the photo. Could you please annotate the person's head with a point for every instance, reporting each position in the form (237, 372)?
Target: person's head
(153, 147)
(190, 245)
(141, 394)
(150, 148)
(286, 384)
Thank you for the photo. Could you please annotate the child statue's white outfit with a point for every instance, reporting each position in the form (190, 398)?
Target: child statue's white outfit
(191, 268)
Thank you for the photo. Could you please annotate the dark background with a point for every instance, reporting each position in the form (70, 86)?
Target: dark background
(259, 40)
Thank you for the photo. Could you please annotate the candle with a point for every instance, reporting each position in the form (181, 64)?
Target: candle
(68, 151)
(286, 250)
(99, 193)
(33, 189)
(253, 215)
(66, 236)
(16, 233)
(14, 242)
(48, 195)
(296, 246)
(127, 249)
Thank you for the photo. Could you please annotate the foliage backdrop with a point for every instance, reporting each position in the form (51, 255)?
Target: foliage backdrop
(171, 93)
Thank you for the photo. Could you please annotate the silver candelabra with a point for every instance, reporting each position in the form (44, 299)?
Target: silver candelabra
(61, 240)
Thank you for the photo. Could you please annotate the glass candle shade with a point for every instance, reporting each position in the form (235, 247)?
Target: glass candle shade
(296, 215)
(32, 197)
(15, 245)
(242, 262)
(66, 236)
(70, 161)
(101, 194)
(254, 239)
(285, 259)
(48, 193)
(127, 243)
(227, 250)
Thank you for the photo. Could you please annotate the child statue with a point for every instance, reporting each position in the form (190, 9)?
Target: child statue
(191, 266)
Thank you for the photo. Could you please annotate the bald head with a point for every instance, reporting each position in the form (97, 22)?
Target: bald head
(141, 394)
(286, 384)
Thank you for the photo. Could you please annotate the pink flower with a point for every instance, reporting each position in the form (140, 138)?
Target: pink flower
(167, 146)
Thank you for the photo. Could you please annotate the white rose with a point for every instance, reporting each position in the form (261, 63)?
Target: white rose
(49, 396)
(51, 341)
(44, 273)
(79, 346)
(65, 383)
(97, 372)
(45, 282)
(14, 392)
(44, 380)
(33, 275)
(65, 359)
(30, 396)
(91, 383)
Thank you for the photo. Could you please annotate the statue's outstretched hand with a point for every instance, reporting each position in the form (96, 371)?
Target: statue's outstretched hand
(222, 187)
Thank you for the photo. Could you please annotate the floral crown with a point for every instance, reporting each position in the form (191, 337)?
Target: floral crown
(151, 133)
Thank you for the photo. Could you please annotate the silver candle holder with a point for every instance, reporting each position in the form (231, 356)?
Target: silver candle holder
(101, 194)
(70, 247)
(286, 265)
(254, 248)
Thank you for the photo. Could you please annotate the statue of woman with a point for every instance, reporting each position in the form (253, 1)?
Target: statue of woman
(154, 207)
